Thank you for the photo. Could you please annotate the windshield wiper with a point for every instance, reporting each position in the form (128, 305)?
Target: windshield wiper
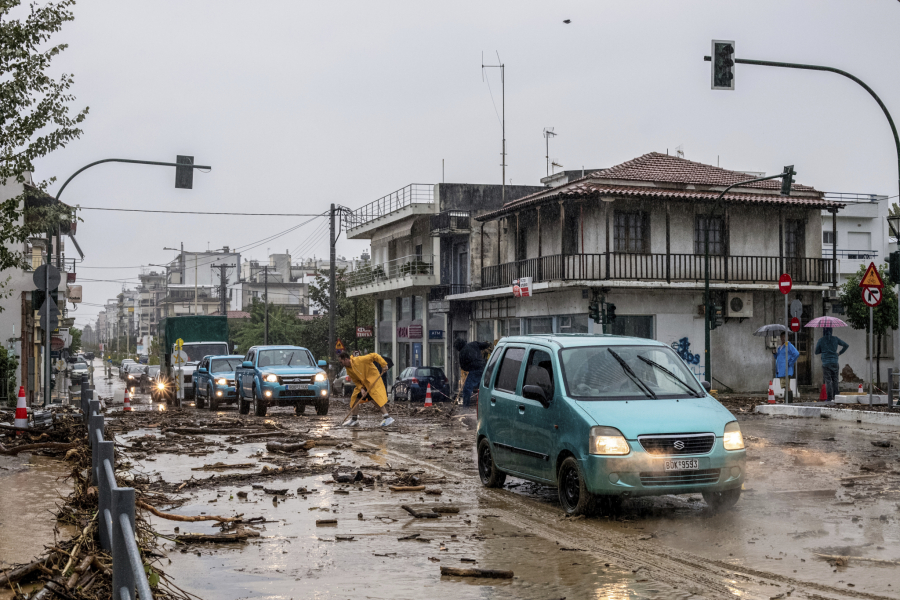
(290, 358)
(630, 372)
(678, 379)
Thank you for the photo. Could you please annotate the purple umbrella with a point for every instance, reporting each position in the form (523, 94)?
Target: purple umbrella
(826, 322)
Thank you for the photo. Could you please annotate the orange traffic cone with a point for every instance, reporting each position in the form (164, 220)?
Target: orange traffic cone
(861, 388)
(823, 395)
(127, 407)
(428, 396)
(771, 394)
(21, 411)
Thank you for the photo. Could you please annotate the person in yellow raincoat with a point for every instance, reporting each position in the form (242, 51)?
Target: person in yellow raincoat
(365, 372)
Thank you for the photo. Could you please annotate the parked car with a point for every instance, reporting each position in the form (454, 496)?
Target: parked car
(79, 368)
(214, 381)
(281, 376)
(412, 383)
(602, 418)
(342, 384)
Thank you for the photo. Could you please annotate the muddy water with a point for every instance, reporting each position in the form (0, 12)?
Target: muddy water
(30, 489)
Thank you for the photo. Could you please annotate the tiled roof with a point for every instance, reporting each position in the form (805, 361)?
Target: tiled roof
(672, 176)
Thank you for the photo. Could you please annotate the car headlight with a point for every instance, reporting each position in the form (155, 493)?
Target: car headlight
(161, 386)
(131, 377)
(271, 377)
(608, 441)
(733, 439)
(222, 381)
(320, 377)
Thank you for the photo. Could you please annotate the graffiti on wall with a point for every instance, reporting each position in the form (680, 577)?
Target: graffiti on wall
(682, 348)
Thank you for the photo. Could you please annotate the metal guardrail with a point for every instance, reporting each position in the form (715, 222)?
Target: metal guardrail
(414, 193)
(116, 508)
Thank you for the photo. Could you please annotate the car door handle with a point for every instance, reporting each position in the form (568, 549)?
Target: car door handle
(521, 409)
(493, 401)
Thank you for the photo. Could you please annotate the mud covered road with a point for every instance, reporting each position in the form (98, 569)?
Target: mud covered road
(817, 492)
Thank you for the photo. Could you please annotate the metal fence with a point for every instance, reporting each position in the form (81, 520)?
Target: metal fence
(414, 193)
(116, 508)
(659, 267)
(399, 267)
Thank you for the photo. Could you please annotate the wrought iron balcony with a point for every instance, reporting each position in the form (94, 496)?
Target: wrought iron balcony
(451, 222)
(406, 266)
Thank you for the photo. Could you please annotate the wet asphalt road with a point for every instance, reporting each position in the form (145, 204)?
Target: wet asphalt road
(793, 508)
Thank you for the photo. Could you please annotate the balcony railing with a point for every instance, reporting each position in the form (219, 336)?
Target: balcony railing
(660, 267)
(414, 193)
(393, 269)
(450, 221)
(439, 292)
(851, 254)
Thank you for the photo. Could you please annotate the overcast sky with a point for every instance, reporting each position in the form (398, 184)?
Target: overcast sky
(300, 104)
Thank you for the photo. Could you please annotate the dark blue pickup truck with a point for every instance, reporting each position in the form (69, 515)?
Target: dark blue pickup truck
(281, 376)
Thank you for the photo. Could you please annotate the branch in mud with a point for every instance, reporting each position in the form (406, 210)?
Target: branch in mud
(172, 517)
(42, 446)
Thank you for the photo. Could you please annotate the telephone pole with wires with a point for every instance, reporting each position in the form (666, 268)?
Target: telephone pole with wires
(332, 301)
(223, 287)
(266, 298)
(502, 68)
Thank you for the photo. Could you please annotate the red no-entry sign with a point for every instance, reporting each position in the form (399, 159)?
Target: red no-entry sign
(785, 283)
(795, 324)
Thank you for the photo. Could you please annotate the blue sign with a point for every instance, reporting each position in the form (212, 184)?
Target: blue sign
(435, 334)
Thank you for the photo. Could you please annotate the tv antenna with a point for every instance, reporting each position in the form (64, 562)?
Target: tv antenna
(548, 133)
(502, 68)
(555, 163)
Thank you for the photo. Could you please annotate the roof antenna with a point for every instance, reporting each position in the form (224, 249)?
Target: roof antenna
(548, 133)
(502, 68)
(679, 151)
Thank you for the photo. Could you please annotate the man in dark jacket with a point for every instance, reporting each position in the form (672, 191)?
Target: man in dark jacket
(828, 346)
(470, 360)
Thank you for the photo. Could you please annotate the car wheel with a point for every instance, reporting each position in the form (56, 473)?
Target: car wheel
(322, 406)
(259, 405)
(719, 501)
(573, 494)
(198, 400)
(213, 401)
(243, 406)
(490, 475)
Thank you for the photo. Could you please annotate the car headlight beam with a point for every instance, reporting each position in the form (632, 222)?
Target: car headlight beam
(733, 439)
(161, 386)
(320, 377)
(608, 441)
(272, 378)
(222, 381)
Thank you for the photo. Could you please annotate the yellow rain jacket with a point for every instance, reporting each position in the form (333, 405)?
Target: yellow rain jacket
(364, 371)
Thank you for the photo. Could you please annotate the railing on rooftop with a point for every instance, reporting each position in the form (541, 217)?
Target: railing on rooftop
(414, 193)
(660, 267)
(853, 198)
(393, 269)
(851, 254)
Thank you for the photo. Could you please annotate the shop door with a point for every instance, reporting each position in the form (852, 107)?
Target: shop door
(416, 354)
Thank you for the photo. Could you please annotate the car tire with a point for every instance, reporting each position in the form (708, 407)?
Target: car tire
(574, 496)
(720, 501)
(490, 475)
(322, 406)
(259, 406)
(243, 406)
(213, 401)
(199, 402)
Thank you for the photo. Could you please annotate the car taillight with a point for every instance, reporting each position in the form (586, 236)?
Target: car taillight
(414, 380)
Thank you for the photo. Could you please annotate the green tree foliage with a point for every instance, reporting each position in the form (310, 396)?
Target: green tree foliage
(856, 312)
(284, 327)
(351, 313)
(8, 366)
(34, 116)
(75, 346)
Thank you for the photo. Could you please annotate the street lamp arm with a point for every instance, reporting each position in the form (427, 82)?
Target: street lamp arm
(125, 160)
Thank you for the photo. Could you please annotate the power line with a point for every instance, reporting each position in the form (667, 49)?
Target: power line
(200, 212)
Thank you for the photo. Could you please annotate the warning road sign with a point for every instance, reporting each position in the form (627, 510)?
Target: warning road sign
(338, 346)
(872, 296)
(872, 278)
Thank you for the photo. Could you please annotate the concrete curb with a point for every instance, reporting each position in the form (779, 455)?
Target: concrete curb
(823, 412)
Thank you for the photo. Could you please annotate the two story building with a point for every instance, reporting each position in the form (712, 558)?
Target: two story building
(635, 234)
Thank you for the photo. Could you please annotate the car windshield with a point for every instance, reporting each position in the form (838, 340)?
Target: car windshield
(429, 372)
(153, 371)
(284, 357)
(196, 352)
(626, 373)
(221, 365)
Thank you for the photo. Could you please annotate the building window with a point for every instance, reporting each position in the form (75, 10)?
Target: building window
(794, 238)
(436, 355)
(405, 308)
(828, 237)
(384, 312)
(539, 325)
(631, 232)
(509, 327)
(484, 331)
(417, 307)
(572, 324)
(716, 227)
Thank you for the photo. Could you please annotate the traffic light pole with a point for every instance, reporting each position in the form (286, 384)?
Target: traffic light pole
(707, 304)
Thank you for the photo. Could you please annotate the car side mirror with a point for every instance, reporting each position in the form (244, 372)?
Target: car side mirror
(322, 364)
(706, 385)
(536, 392)
(202, 370)
(247, 364)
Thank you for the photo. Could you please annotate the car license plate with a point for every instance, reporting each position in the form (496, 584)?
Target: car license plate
(297, 386)
(687, 464)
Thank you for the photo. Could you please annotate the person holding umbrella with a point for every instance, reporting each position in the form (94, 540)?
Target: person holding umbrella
(780, 362)
(827, 347)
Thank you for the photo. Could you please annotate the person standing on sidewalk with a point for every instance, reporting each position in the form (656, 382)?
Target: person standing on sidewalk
(828, 348)
(792, 355)
(365, 372)
(471, 360)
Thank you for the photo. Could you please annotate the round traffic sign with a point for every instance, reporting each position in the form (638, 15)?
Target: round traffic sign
(785, 283)
(872, 296)
(40, 277)
(795, 324)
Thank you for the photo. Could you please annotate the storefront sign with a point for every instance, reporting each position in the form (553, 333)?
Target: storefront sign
(435, 334)
(57, 343)
(415, 332)
(74, 294)
(522, 287)
(365, 332)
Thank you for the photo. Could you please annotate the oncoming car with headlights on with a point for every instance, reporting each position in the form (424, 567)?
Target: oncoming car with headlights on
(281, 376)
(214, 381)
(604, 417)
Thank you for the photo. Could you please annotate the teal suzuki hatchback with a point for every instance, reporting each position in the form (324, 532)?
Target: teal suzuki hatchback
(604, 417)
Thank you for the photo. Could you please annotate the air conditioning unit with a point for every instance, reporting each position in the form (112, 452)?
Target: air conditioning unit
(832, 293)
(740, 305)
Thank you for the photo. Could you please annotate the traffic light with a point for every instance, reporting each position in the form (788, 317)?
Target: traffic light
(610, 313)
(722, 65)
(787, 180)
(894, 266)
(594, 311)
(716, 316)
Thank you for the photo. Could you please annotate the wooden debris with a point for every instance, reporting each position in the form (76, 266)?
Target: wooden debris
(407, 488)
(276, 492)
(284, 447)
(235, 536)
(320, 522)
(171, 517)
(206, 431)
(29, 447)
(473, 572)
(445, 509)
(434, 492)
(220, 466)
(843, 560)
(420, 515)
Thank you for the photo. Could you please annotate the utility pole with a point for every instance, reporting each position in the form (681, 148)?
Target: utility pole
(195, 283)
(266, 298)
(223, 287)
(502, 68)
(46, 319)
(331, 287)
